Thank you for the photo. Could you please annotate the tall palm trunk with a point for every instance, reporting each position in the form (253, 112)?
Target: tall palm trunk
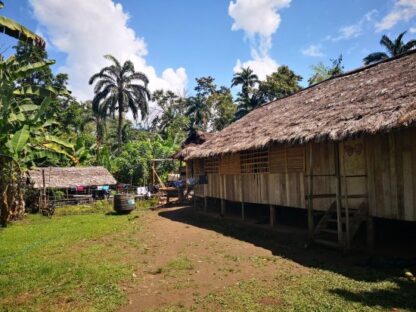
(120, 121)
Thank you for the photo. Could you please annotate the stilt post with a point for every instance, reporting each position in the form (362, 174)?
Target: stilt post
(338, 194)
(310, 194)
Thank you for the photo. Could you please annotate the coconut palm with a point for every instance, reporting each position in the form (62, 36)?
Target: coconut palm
(393, 48)
(120, 88)
(247, 79)
(198, 112)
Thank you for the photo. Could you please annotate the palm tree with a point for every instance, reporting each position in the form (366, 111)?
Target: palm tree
(198, 113)
(247, 79)
(393, 48)
(119, 89)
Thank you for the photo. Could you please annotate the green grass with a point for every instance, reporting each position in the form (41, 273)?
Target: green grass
(72, 261)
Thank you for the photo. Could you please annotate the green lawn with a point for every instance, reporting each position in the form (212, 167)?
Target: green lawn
(73, 261)
(84, 257)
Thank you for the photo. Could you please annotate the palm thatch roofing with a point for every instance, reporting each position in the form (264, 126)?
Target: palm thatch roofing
(192, 141)
(60, 178)
(369, 100)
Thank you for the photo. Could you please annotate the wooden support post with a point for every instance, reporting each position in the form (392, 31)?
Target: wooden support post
(310, 193)
(345, 195)
(338, 194)
(243, 213)
(222, 207)
(370, 233)
(272, 215)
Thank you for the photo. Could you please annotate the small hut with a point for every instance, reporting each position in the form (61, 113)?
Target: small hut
(73, 184)
(343, 150)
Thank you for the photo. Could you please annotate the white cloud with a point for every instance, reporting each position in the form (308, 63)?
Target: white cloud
(403, 10)
(354, 30)
(87, 30)
(314, 50)
(259, 19)
(412, 30)
(262, 66)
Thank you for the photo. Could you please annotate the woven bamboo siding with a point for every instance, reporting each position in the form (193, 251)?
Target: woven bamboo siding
(212, 165)
(254, 161)
(391, 163)
(230, 164)
(287, 159)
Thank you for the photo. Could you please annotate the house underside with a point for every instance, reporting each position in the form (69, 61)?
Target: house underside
(342, 151)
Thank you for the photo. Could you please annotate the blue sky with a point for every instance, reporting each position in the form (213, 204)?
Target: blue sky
(176, 41)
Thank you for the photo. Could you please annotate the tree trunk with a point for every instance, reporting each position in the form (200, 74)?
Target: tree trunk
(120, 122)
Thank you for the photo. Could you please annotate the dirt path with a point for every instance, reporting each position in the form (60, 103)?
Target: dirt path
(181, 263)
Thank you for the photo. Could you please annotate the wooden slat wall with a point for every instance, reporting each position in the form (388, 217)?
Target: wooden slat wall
(389, 160)
(213, 186)
(255, 188)
(391, 163)
(323, 164)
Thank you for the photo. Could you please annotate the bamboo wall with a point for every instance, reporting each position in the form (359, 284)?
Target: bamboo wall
(379, 170)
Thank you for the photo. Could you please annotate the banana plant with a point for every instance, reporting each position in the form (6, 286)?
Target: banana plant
(18, 31)
(27, 134)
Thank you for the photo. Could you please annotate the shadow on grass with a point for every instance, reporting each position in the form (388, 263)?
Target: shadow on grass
(291, 245)
(403, 296)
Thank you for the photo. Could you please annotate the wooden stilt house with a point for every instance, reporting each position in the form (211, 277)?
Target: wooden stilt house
(343, 149)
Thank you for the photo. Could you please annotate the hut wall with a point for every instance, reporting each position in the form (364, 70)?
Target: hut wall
(391, 163)
(383, 167)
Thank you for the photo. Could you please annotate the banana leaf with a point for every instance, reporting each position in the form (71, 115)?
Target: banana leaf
(15, 30)
(19, 139)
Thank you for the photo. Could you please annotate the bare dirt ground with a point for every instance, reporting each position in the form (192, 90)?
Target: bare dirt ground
(186, 261)
(182, 262)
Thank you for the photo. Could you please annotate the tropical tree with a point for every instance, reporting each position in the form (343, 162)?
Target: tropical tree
(172, 119)
(199, 113)
(224, 108)
(393, 47)
(322, 72)
(27, 135)
(248, 80)
(119, 88)
(281, 83)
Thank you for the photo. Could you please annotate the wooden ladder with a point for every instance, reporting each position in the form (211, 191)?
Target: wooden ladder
(326, 231)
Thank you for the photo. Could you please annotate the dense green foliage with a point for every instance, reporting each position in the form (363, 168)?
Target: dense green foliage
(322, 72)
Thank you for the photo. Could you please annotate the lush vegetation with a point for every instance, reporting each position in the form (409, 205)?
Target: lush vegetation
(124, 126)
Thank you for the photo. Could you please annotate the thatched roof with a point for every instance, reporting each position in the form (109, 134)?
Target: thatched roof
(369, 100)
(192, 141)
(56, 177)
